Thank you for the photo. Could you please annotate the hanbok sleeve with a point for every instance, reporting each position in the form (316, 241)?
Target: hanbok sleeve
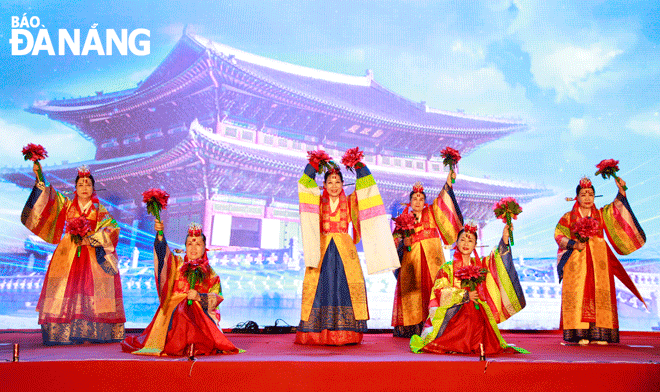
(105, 240)
(377, 241)
(42, 213)
(309, 197)
(447, 214)
(565, 243)
(502, 290)
(626, 236)
(165, 264)
(213, 297)
(622, 228)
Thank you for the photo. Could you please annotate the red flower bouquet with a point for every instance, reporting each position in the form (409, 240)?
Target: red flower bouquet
(506, 209)
(320, 160)
(78, 229)
(156, 201)
(35, 153)
(471, 276)
(352, 159)
(404, 226)
(607, 168)
(195, 271)
(450, 157)
(585, 228)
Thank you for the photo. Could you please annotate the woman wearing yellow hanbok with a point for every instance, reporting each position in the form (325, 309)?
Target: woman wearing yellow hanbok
(587, 269)
(81, 298)
(334, 298)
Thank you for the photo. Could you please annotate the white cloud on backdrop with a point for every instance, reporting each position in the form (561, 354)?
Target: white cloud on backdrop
(646, 124)
(61, 142)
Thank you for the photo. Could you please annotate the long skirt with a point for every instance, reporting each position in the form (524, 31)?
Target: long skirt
(423, 288)
(466, 332)
(79, 318)
(190, 332)
(332, 320)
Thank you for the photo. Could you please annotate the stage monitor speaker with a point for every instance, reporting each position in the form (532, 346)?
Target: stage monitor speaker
(246, 327)
(279, 329)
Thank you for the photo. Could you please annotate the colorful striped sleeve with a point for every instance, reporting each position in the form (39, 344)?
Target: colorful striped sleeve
(622, 228)
(504, 294)
(309, 197)
(447, 215)
(105, 240)
(377, 241)
(41, 214)
(562, 231)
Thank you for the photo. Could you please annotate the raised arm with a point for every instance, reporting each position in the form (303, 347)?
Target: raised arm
(309, 199)
(447, 213)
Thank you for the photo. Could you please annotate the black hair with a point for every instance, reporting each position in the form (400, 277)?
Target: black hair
(203, 238)
(476, 237)
(413, 192)
(337, 172)
(78, 178)
(579, 188)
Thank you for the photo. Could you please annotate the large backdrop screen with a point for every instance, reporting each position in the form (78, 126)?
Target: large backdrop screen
(218, 102)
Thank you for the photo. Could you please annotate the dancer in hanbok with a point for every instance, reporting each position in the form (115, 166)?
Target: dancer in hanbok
(81, 298)
(186, 321)
(334, 299)
(586, 265)
(470, 297)
(421, 254)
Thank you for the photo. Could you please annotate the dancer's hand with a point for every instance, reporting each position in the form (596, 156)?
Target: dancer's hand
(451, 176)
(580, 245)
(159, 227)
(194, 295)
(621, 185)
(474, 296)
(505, 233)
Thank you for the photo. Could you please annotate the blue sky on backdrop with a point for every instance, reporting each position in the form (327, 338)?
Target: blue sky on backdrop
(584, 75)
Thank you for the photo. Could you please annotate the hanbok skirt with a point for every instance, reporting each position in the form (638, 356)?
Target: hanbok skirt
(191, 332)
(401, 329)
(80, 318)
(466, 332)
(332, 320)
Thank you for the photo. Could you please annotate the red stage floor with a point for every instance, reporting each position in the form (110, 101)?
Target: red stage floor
(381, 362)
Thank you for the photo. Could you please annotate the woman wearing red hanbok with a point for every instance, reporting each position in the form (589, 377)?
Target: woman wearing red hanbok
(186, 322)
(422, 256)
(465, 321)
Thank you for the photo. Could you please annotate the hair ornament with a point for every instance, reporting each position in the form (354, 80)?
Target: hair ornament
(470, 228)
(83, 171)
(334, 170)
(194, 229)
(585, 182)
(418, 187)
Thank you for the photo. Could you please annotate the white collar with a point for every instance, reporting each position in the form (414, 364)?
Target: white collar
(86, 206)
(334, 204)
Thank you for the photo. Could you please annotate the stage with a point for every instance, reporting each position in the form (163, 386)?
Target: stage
(380, 363)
